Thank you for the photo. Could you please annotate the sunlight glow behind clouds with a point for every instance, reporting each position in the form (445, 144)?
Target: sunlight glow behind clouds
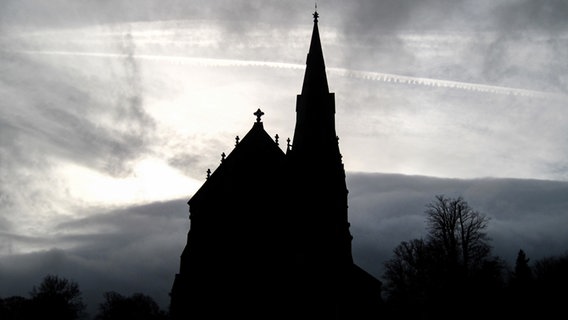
(151, 180)
(190, 108)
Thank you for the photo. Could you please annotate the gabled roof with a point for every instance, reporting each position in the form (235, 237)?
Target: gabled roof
(255, 156)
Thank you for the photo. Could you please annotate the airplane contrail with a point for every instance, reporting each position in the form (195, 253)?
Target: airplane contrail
(365, 75)
(386, 77)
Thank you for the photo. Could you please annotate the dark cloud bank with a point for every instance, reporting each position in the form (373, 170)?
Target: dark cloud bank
(137, 249)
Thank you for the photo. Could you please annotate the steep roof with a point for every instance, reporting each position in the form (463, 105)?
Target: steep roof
(255, 157)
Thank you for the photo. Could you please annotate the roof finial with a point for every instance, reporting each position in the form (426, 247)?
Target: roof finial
(258, 114)
(316, 14)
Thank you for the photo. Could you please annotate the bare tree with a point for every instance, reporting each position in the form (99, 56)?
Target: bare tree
(407, 267)
(456, 232)
(450, 270)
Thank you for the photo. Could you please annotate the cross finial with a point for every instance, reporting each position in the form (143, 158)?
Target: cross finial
(208, 173)
(258, 114)
(223, 156)
(237, 140)
(316, 14)
(288, 145)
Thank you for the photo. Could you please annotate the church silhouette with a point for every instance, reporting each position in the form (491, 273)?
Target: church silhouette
(269, 235)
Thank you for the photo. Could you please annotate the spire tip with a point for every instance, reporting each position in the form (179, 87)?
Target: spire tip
(316, 14)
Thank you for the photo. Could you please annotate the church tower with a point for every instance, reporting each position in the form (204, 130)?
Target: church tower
(317, 173)
(317, 181)
(269, 236)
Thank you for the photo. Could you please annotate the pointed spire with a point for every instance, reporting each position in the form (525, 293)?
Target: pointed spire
(315, 78)
(315, 106)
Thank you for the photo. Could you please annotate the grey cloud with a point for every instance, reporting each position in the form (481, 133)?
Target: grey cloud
(112, 249)
(547, 16)
(367, 16)
(54, 114)
(405, 102)
(143, 217)
(462, 37)
(464, 133)
(69, 13)
(518, 43)
(386, 209)
(356, 16)
(21, 272)
(526, 61)
(59, 109)
(193, 160)
(190, 164)
(528, 46)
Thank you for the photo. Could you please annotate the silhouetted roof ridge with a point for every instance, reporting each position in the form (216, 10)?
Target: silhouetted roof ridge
(250, 145)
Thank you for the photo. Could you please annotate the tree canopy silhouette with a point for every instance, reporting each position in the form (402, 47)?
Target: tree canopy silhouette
(136, 307)
(61, 299)
(14, 308)
(57, 298)
(551, 281)
(451, 269)
(456, 233)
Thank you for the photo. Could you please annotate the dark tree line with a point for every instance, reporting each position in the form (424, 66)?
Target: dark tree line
(61, 299)
(452, 274)
(136, 307)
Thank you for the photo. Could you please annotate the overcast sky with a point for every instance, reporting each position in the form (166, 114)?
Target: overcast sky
(112, 111)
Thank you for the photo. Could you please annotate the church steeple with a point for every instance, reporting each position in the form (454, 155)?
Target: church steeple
(314, 134)
(315, 79)
(316, 167)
